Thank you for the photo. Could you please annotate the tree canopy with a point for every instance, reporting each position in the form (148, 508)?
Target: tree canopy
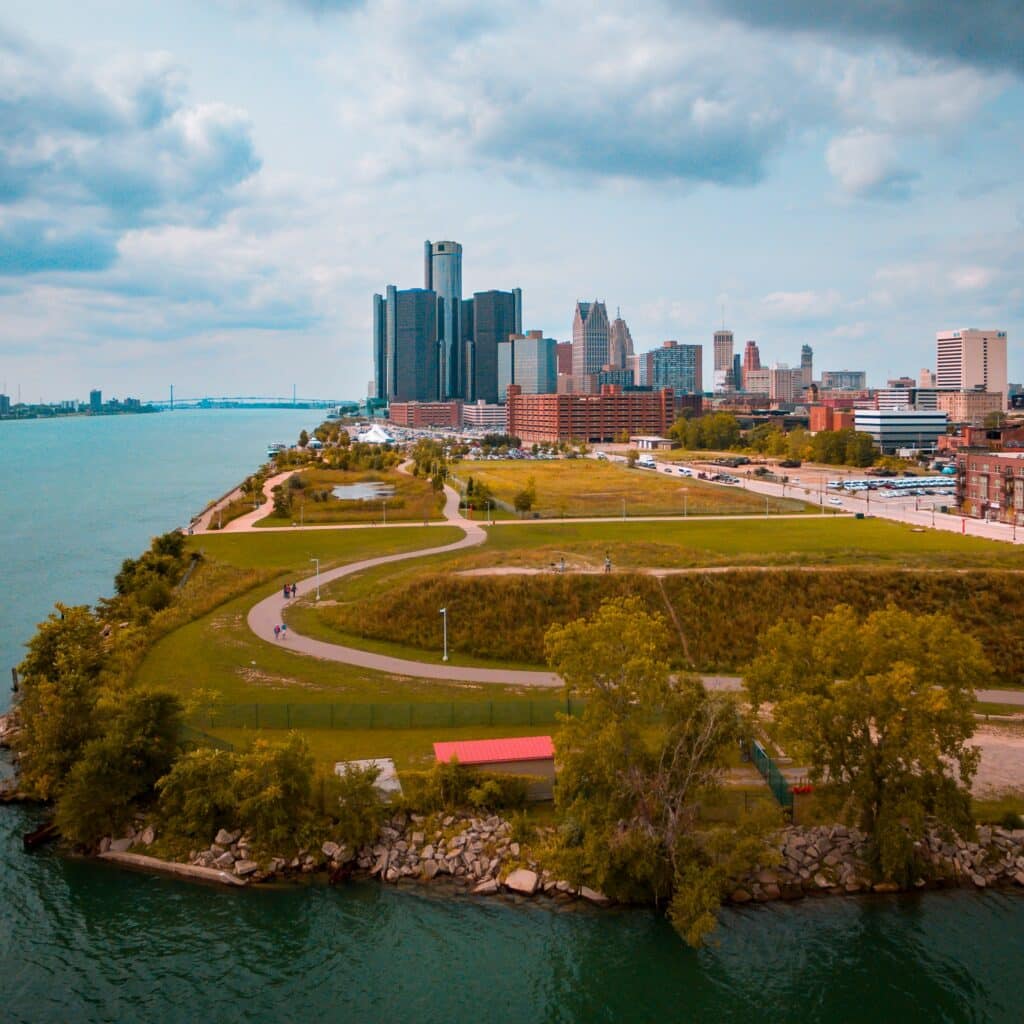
(881, 709)
(635, 766)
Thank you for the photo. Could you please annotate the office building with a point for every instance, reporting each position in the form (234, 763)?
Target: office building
(5, 405)
(488, 320)
(594, 418)
(610, 375)
(406, 350)
(844, 380)
(825, 417)
(676, 366)
(806, 366)
(723, 350)
(590, 340)
(757, 382)
(894, 398)
(484, 416)
(442, 274)
(970, 359)
(95, 400)
(785, 385)
(990, 485)
(563, 356)
(969, 406)
(418, 415)
(893, 429)
(751, 360)
(530, 361)
(620, 343)
(926, 378)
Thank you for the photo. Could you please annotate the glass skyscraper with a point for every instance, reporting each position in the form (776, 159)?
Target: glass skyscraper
(442, 271)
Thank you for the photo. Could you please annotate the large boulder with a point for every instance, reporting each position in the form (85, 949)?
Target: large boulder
(120, 845)
(246, 867)
(226, 838)
(522, 881)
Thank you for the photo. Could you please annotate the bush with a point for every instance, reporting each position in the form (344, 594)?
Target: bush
(452, 785)
(356, 805)
(1011, 820)
(266, 791)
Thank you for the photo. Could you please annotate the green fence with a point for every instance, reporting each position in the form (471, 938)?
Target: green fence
(772, 775)
(446, 715)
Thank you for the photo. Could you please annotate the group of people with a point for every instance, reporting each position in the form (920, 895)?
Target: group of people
(290, 590)
(281, 632)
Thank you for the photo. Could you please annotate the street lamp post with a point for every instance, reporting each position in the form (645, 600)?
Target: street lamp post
(316, 561)
(685, 496)
(444, 619)
(623, 508)
(488, 500)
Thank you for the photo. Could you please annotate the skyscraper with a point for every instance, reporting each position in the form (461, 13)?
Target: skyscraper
(723, 360)
(590, 338)
(95, 400)
(751, 361)
(620, 343)
(680, 367)
(442, 273)
(406, 353)
(971, 359)
(806, 365)
(528, 361)
(490, 318)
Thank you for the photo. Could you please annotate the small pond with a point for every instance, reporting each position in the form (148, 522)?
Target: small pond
(371, 490)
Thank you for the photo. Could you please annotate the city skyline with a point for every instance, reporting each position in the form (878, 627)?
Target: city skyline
(207, 194)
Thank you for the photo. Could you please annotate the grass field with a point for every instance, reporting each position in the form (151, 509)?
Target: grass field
(291, 552)
(413, 499)
(587, 487)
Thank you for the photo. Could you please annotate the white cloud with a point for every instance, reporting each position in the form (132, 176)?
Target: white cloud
(797, 306)
(867, 165)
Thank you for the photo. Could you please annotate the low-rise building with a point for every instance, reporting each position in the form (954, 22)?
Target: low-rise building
(519, 755)
(591, 418)
(969, 406)
(990, 485)
(418, 415)
(901, 428)
(484, 416)
(826, 417)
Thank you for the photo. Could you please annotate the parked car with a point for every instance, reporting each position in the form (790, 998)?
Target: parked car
(835, 501)
(790, 463)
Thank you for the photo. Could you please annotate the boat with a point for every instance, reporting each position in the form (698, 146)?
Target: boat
(43, 834)
(274, 449)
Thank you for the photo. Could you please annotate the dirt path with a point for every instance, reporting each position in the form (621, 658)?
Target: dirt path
(1002, 759)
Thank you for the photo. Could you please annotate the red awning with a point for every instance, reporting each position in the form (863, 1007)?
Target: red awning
(517, 748)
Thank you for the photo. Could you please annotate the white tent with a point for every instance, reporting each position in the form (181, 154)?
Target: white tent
(375, 435)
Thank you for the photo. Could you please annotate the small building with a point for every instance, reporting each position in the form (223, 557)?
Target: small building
(901, 428)
(652, 443)
(518, 755)
(990, 485)
(388, 783)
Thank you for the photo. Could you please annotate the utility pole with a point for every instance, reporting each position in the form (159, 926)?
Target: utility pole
(444, 618)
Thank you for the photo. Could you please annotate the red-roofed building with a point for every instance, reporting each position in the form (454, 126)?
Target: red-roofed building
(517, 755)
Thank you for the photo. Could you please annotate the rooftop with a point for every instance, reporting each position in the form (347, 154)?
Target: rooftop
(518, 748)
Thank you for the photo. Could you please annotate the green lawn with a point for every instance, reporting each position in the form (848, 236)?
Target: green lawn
(291, 552)
(587, 487)
(413, 499)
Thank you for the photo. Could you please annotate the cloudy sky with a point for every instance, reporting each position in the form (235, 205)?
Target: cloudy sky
(208, 194)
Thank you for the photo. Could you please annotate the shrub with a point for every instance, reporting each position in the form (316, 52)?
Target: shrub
(450, 785)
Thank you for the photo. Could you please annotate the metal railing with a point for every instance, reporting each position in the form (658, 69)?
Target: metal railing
(772, 775)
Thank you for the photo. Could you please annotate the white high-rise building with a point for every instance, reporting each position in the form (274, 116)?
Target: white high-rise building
(723, 351)
(970, 359)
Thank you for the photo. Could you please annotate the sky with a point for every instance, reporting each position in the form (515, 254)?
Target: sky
(208, 194)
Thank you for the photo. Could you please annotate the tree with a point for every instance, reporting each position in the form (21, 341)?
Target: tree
(526, 498)
(881, 710)
(358, 809)
(120, 767)
(634, 766)
(994, 420)
(282, 501)
(631, 456)
(60, 688)
(303, 439)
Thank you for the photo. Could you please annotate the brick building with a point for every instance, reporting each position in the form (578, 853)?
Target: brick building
(990, 485)
(418, 415)
(826, 417)
(590, 418)
(969, 406)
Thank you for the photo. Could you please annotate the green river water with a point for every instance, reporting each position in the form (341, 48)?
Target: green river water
(82, 941)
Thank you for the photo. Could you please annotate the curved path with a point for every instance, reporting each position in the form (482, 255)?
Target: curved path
(268, 613)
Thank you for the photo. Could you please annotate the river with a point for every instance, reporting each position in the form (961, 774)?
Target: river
(82, 941)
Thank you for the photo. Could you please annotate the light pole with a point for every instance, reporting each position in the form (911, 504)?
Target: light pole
(489, 521)
(316, 561)
(623, 509)
(685, 496)
(444, 619)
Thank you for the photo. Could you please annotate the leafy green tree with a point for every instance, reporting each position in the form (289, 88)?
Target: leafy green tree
(119, 768)
(282, 501)
(882, 711)
(631, 456)
(860, 449)
(358, 809)
(635, 765)
(267, 791)
(60, 689)
(303, 438)
(995, 420)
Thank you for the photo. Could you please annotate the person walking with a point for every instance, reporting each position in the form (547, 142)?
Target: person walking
(284, 630)
(286, 591)
(277, 632)
(607, 562)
